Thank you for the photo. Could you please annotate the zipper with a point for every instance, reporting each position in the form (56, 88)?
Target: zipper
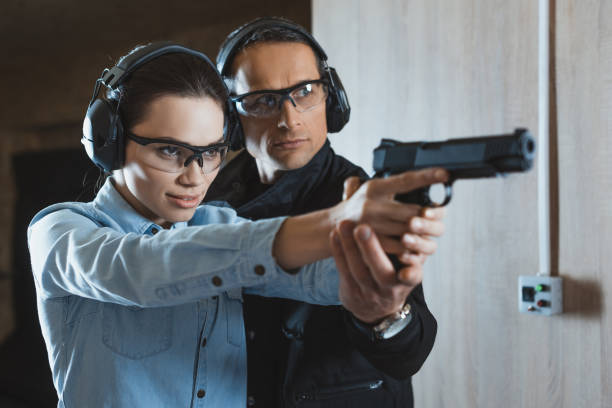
(337, 391)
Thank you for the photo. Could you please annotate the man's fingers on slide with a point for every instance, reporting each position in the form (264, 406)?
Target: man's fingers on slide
(417, 243)
(351, 185)
(407, 181)
(423, 226)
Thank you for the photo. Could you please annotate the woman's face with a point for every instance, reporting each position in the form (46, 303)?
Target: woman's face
(161, 196)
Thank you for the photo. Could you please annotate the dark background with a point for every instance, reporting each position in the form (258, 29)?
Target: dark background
(52, 52)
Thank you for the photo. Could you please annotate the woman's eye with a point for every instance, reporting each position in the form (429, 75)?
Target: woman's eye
(170, 151)
(211, 154)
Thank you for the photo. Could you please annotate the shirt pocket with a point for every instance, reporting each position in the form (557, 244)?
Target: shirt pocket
(135, 332)
(235, 320)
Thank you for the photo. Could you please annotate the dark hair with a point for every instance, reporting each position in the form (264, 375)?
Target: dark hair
(267, 34)
(170, 74)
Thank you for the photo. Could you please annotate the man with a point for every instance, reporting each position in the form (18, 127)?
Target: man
(361, 354)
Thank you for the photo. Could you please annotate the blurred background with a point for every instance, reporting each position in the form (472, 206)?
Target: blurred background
(413, 70)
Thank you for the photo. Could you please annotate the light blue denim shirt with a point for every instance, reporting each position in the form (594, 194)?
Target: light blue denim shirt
(137, 316)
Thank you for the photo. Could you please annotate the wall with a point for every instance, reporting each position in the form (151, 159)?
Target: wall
(434, 69)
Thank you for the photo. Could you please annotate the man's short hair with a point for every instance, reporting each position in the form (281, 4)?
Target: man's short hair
(268, 34)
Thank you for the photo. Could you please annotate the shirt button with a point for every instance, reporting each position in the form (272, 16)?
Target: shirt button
(154, 230)
(204, 342)
(201, 393)
(236, 186)
(260, 270)
(217, 281)
(251, 401)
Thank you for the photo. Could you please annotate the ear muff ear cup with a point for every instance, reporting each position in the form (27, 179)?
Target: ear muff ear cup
(103, 135)
(338, 110)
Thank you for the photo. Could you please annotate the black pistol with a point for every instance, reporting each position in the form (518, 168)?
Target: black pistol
(464, 158)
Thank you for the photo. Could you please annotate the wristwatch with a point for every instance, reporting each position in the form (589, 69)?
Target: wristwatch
(393, 324)
(389, 327)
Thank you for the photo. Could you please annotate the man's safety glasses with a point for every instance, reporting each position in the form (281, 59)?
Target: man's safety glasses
(173, 157)
(266, 103)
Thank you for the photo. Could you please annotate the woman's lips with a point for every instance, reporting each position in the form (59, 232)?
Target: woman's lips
(185, 201)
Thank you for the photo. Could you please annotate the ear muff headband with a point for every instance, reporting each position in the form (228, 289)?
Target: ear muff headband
(103, 132)
(338, 109)
(229, 50)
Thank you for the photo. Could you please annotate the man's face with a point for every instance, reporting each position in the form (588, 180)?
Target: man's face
(289, 139)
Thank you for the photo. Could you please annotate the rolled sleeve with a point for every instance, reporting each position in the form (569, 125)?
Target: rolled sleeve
(72, 254)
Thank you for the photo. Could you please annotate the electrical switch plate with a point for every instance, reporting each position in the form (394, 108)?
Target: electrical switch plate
(541, 295)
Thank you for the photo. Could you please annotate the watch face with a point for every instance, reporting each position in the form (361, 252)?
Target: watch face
(395, 328)
(393, 324)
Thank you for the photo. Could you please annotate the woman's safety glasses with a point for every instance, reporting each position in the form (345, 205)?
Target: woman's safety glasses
(173, 157)
(266, 103)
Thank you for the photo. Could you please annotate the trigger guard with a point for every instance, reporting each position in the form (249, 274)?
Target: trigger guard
(448, 194)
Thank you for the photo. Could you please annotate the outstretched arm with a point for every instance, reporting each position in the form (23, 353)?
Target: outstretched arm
(304, 239)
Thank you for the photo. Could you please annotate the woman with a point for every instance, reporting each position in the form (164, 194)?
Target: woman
(139, 291)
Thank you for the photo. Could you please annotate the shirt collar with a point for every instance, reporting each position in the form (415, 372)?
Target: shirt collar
(111, 202)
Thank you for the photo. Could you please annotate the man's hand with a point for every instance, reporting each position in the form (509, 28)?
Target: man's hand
(369, 285)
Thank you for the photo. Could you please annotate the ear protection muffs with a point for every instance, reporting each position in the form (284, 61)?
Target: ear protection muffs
(103, 132)
(338, 110)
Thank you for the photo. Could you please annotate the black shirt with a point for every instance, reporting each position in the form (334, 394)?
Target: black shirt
(307, 355)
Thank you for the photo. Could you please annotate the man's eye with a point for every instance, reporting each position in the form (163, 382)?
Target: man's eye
(304, 91)
(267, 100)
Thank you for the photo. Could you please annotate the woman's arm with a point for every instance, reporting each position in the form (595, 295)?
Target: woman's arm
(72, 254)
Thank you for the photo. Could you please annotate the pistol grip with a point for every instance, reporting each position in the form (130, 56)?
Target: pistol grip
(421, 196)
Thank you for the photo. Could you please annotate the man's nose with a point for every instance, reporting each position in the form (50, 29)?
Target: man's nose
(289, 116)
